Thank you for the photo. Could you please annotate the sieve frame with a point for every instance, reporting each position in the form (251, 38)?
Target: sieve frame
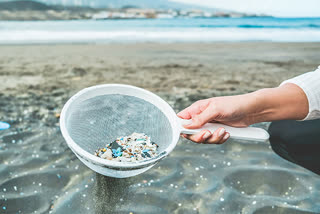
(122, 89)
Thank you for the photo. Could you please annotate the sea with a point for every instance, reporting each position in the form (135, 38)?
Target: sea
(162, 30)
(39, 174)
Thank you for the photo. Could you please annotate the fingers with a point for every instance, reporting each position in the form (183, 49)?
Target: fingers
(200, 119)
(194, 109)
(184, 114)
(189, 112)
(199, 137)
(218, 137)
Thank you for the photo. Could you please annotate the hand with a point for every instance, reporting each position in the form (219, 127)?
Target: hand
(229, 110)
(287, 102)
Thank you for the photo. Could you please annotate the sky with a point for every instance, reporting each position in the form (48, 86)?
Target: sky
(286, 8)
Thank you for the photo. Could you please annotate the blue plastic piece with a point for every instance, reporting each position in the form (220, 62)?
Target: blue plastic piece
(117, 152)
(4, 125)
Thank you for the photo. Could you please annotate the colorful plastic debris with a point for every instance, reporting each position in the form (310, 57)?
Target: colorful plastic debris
(132, 148)
(4, 125)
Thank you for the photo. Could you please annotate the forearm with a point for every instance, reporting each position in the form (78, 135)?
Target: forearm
(287, 102)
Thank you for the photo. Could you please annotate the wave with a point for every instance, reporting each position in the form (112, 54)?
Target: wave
(262, 26)
(313, 26)
(160, 35)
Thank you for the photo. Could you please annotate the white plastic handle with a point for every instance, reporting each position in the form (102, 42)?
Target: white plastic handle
(248, 133)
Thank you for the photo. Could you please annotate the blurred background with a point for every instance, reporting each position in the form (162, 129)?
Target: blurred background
(158, 21)
(182, 50)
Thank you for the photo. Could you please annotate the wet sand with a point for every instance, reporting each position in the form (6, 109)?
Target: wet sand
(39, 173)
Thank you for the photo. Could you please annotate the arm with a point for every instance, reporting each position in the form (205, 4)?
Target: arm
(287, 102)
(295, 99)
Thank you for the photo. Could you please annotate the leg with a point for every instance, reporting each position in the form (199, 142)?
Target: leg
(298, 142)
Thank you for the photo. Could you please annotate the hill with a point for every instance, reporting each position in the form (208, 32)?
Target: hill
(23, 5)
(104, 9)
(155, 4)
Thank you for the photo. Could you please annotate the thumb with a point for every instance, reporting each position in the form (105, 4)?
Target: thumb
(201, 119)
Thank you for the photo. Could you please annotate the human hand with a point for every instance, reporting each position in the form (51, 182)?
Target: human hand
(229, 110)
(287, 102)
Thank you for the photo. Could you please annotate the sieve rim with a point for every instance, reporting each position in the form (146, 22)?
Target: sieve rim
(170, 114)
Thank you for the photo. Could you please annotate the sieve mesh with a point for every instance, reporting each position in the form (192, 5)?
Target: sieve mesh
(94, 122)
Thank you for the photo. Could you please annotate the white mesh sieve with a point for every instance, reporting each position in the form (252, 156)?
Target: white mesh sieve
(97, 121)
(98, 115)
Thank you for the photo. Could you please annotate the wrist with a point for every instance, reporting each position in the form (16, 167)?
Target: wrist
(258, 108)
(287, 102)
(263, 107)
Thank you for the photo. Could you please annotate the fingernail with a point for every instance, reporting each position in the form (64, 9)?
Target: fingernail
(222, 131)
(206, 135)
(226, 136)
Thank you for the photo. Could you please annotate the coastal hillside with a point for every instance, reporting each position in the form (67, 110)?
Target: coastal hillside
(23, 5)
(33, 10)
(158, 4)
(28, 5)
(111, 9)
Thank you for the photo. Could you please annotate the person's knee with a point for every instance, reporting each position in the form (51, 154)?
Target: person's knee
(278, 139)
(297, 141)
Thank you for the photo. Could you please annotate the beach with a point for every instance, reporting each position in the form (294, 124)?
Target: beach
(38, 172)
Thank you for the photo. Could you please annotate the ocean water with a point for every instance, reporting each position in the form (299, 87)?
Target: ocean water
(40, 174)
(162, 30)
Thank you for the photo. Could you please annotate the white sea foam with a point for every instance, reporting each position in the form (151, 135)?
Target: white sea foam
(159, 35)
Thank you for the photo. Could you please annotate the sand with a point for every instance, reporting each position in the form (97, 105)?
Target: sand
(39, 173)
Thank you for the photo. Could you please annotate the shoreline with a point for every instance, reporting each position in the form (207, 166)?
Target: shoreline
(155, 43)
(160, 31)
(78, 65)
